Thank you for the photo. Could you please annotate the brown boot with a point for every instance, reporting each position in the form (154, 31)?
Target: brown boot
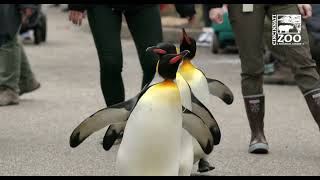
(255, 112)
(8, 97)
(28, 86)
(282, 76)
(313, 101)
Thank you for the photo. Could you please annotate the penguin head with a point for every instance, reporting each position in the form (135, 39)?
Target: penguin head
(162, 49)
(188, 43)
(169, 63)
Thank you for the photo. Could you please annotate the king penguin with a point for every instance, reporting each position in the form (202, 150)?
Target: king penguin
(118, 115)
(191, 102)
(152, 137)
(200, 85)
(195, 77)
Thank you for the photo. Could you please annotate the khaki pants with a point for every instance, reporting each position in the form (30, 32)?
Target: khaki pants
(14, 65)
(315, 50)
(249, 29)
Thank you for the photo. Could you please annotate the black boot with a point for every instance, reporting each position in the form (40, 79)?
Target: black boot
(255, 112)
(313, 101)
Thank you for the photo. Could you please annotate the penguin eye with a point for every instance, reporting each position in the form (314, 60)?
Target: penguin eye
(159, 51)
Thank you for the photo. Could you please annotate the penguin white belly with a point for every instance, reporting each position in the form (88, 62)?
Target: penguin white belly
(152, 138)
(185, 93)
(186, 156)
(199, 87)
(198, 84)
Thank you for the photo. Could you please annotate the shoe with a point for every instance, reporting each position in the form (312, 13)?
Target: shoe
(28, 86)
(259, 148)
(255, 111)
(205, 39)
(8, 97)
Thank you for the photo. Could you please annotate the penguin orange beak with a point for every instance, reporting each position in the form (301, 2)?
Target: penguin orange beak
(179, 57)
(156, 50)
(159, 51)
(185, 36)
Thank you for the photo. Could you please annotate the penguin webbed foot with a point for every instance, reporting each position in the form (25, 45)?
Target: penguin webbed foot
(204, 166)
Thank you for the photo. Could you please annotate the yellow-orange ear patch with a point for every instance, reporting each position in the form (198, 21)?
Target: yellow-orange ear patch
(157, 66)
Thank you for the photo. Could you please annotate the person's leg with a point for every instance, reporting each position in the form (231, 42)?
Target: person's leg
(248, 29)
(10, 62)
(281, 72)
(205, 38)
(206, 19)
(315, 50)
(146, 30)
(27, 81)
(105, 25)
(303, 66)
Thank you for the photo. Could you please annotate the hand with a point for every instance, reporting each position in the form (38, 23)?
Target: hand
(216, 15)
(26, 13)
(191, 19)
(76, 17)
(305, 10)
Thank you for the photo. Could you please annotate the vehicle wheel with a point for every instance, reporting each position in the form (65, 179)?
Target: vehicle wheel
(37, 36)
(215, 44)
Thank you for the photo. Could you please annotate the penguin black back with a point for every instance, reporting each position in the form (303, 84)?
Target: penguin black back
(188, 43)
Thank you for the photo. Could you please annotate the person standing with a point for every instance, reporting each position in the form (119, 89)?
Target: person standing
(313, 26)
(248, 24)
(105, 21)
(205, 38)
(16, 77)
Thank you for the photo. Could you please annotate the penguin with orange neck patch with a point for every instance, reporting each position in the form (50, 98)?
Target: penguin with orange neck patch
(191, 102)
(153, 134)
(200, 84)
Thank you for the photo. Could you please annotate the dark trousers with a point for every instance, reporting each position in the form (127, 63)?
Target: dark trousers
(105, 23)
(206, 19)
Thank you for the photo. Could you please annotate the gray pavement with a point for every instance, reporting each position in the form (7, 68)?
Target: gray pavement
(34, 135)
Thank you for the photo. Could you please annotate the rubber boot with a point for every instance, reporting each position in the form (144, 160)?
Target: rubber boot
(255, 112)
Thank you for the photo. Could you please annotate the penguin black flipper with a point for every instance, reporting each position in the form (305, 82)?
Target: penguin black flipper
(117, 113)
(198, 129)
(217, 88)
(112, 134)
(203, 112)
